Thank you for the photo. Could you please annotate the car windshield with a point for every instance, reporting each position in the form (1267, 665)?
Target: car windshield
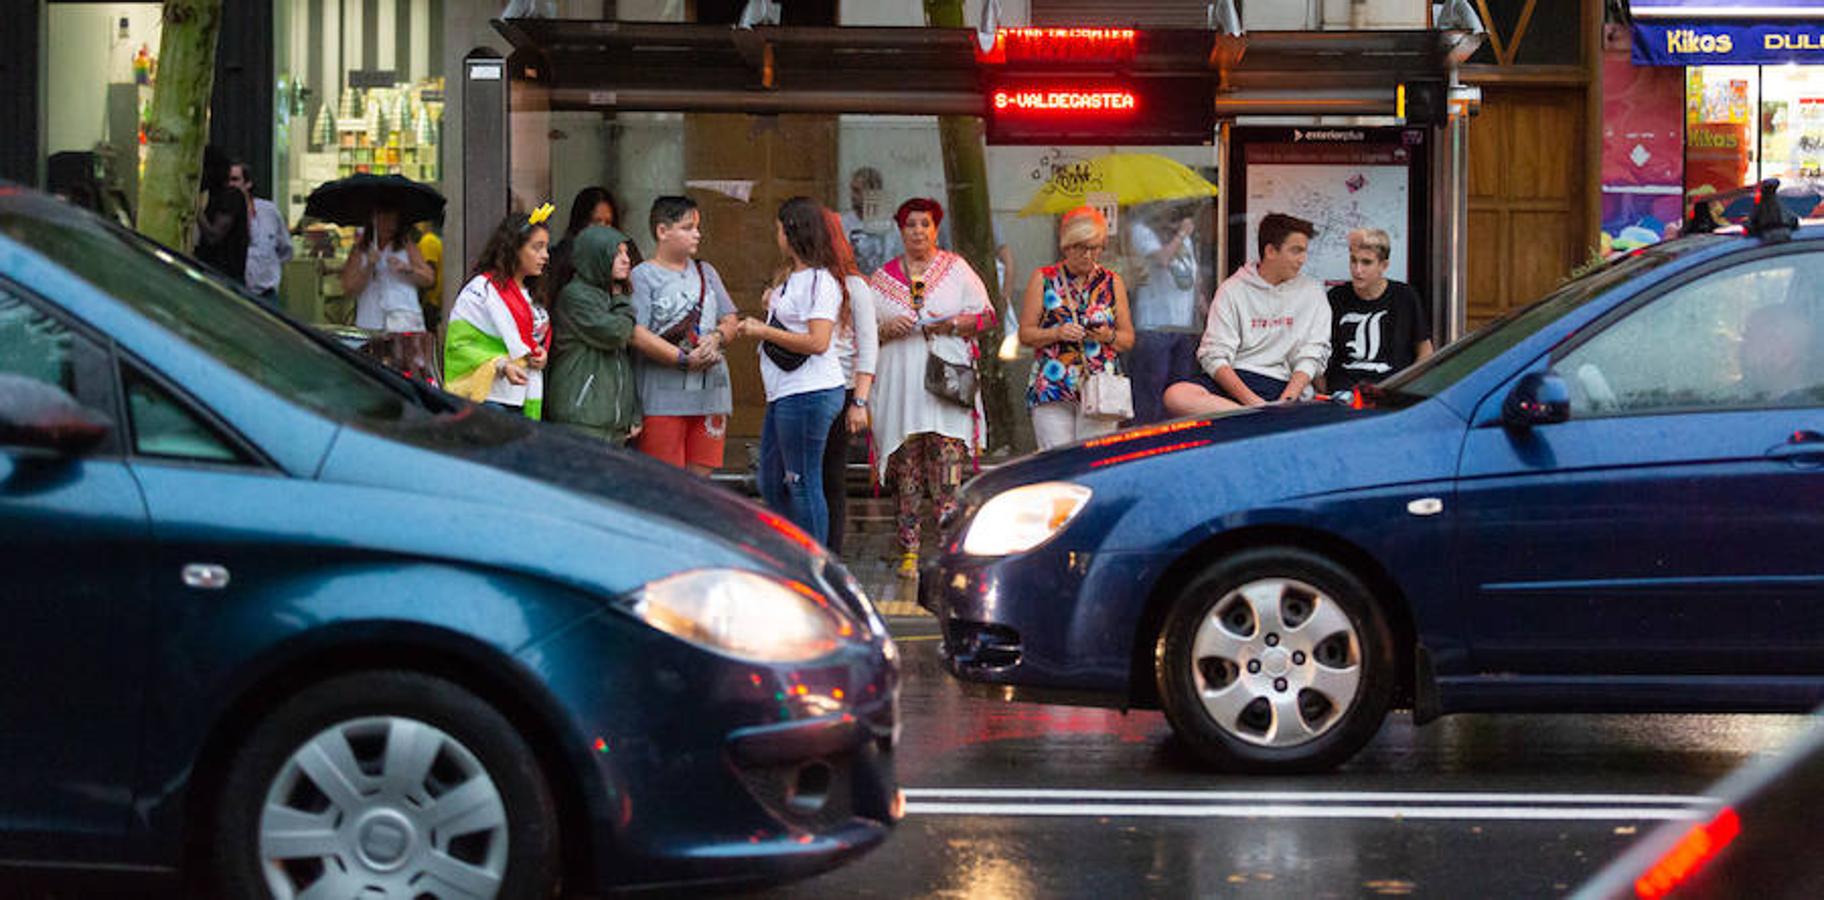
(1458, 359)
(200, 308)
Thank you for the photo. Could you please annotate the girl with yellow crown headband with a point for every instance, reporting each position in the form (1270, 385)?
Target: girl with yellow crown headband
(498, 340)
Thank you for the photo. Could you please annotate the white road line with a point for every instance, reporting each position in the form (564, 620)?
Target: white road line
(1297, 811)
(1180, 796)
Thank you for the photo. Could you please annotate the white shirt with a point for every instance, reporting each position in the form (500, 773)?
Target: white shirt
(806, 295)
(268, 247)
(1168, 299)
(390, 301)
(858, 346)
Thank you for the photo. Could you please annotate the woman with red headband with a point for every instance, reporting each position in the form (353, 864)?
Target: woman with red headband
(927, 413)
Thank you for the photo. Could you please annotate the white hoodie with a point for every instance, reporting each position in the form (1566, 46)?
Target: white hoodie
(1267, 329)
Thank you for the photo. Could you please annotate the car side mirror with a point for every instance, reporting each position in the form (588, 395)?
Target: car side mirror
(1541, 398)
(40, 415)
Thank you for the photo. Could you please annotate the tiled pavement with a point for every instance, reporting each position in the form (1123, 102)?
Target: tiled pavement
(872, 554)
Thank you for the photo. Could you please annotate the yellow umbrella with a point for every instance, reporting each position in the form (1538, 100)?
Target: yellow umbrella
(1131, 177)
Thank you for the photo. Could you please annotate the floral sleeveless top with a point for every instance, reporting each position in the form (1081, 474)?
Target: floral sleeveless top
(1059, 369)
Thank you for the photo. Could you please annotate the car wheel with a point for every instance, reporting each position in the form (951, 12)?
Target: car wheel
(1275, 660)
(389, 784)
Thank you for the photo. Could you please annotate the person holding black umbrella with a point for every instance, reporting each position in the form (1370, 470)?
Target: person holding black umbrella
(384, 272)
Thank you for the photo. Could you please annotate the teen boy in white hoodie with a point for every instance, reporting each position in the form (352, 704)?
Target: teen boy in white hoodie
(1269, 329)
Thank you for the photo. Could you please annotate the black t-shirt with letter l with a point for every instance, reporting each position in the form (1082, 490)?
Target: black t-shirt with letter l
(1372, 339)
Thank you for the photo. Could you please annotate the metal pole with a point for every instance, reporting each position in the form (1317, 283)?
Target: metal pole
(1224, 202)
(484, 151)
(1464, 102)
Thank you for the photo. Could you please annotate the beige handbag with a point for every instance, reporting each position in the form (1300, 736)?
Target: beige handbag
(1107, 394)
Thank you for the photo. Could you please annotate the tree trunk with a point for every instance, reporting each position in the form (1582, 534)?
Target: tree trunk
(966, 204)
(180, 121)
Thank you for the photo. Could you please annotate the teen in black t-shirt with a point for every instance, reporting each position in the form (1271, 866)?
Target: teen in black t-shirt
(1377, 326)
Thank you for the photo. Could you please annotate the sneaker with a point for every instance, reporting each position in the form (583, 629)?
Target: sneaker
(908, 565)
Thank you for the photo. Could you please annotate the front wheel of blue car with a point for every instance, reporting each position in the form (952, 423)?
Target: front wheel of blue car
(1275, 660)
(385, 784)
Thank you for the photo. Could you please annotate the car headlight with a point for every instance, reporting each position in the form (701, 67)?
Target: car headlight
(1023, 518)
(744, 614)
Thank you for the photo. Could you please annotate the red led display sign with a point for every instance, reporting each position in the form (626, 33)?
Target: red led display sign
(1061, 99)
(1061, 45)
(1134, 110)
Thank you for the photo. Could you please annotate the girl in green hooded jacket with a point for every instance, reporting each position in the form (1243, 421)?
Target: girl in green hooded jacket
(589, 384)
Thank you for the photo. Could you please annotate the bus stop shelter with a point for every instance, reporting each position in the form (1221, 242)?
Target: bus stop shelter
(1281, 98)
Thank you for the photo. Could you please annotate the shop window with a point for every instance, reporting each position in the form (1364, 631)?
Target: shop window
(1745, 124)
(99, 71)
(360, 89)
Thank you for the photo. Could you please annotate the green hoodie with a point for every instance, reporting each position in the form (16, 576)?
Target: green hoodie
(589, 384)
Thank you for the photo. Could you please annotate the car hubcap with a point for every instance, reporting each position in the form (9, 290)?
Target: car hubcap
(1277, 663)
(383, 807)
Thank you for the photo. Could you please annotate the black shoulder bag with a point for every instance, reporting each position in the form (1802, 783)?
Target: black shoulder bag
(786, 360)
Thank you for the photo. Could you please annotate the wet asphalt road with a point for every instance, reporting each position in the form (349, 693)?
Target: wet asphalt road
(1015, 801)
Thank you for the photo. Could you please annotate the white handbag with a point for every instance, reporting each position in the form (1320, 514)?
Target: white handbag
(1106, 394)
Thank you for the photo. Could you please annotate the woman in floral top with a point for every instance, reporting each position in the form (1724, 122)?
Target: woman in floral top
(1075, 318)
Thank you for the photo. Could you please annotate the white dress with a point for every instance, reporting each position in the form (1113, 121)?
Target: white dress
(901, 405)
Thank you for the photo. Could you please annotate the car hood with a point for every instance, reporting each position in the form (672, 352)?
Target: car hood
(646, 496)
(1147, 442)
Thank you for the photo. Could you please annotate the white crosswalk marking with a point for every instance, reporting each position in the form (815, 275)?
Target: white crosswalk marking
(1469, 805)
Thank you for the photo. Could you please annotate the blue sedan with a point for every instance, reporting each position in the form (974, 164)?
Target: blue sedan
(1610, 500)
(276, 622)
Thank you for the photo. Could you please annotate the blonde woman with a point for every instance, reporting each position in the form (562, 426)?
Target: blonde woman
(1075, 317)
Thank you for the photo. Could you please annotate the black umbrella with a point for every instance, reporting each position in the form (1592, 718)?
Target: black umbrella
(352, 200)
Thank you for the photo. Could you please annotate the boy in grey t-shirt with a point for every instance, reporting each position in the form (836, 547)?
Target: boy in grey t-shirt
(684, 318)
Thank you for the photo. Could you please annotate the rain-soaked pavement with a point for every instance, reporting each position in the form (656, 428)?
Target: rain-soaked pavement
(1014, 801)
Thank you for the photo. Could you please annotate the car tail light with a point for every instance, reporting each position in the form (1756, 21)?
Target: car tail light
(1692, 852)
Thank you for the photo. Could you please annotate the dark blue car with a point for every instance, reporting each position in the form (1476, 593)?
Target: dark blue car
(1610, 500)
(275, 622)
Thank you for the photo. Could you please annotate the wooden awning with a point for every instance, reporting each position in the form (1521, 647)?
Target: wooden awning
(611, 65)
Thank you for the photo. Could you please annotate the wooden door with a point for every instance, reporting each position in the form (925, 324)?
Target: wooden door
(1526, 197)
(784, 156)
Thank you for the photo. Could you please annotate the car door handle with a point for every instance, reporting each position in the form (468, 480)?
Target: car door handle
(1803, 448)
(206, 576)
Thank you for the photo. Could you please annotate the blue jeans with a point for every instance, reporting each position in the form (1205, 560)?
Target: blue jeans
(791, 457)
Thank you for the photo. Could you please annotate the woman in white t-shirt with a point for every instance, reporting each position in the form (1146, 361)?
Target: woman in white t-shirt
(800, 366)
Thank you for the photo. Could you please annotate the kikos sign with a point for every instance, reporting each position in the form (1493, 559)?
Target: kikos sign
(1704, 44)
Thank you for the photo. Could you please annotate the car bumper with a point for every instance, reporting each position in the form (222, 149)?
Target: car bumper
(702, 769)
(1053, 624)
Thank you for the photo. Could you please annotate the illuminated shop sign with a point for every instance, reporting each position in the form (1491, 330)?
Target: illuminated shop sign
(1061, 45)
(1719, 43)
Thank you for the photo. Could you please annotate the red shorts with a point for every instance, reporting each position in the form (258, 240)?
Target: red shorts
(684, 440)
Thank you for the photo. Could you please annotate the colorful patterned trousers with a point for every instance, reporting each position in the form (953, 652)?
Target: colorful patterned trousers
(927, 464)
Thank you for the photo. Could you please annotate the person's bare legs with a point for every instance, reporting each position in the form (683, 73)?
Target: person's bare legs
(1188, 398)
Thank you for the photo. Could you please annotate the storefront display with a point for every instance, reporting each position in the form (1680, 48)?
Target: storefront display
(359, 91)
(1753, 98)
(99, 76)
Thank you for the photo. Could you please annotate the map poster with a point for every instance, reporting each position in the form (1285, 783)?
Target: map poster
(1339, 179)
